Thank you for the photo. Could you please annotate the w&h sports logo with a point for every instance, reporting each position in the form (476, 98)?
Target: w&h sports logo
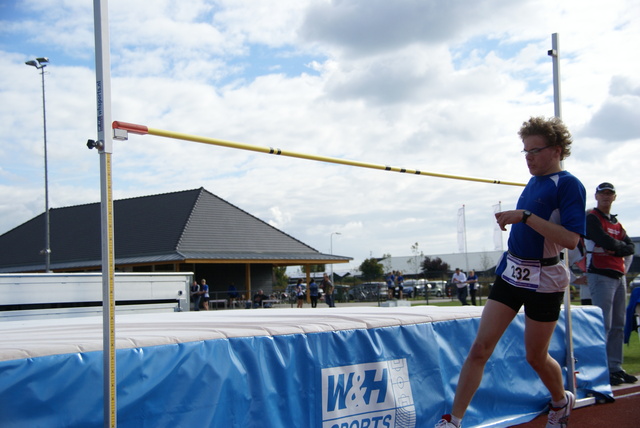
(370, 395)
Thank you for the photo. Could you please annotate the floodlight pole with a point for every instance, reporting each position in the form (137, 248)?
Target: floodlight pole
(40, 64)
(104, 144)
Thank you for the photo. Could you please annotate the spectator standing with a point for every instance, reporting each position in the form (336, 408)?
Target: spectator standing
(232, 293)
(196, 297)
(328, 288)
(607, 245)
(204, 291)
(299, 293)
(399, 285)
(459, 279)
(472, 280)
(391, 284)
(313, 293)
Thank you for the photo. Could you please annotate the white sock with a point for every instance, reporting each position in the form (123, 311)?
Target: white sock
(456, 421)
(560, 403)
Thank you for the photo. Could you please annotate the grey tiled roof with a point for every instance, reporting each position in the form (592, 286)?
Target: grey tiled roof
(190, 225)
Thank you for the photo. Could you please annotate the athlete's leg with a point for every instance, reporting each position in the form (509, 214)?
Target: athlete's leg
(537, 336)
(496, 317)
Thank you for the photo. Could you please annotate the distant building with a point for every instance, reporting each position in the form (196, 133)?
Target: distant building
(411, 266)
(188, 231)
(483, 262)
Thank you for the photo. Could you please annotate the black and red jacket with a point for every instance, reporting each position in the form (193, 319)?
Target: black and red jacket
(607, 244)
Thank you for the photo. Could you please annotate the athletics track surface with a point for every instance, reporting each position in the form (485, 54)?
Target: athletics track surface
(624, 412)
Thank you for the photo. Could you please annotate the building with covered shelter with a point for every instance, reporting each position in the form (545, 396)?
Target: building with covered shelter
(186, 231)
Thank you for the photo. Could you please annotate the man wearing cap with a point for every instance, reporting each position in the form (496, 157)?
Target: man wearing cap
(607, 245)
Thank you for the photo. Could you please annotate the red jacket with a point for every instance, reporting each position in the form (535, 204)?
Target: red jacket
(600, 259)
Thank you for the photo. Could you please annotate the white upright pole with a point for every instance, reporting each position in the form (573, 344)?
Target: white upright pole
(571, 381)
(555, 55)
(105, 147)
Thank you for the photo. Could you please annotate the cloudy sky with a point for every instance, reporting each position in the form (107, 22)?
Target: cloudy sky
(439, 86)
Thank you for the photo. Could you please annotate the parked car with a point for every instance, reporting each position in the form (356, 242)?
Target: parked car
(408, 291)
(436, 288)
(413, 288)
(419, 288)
(368, 291)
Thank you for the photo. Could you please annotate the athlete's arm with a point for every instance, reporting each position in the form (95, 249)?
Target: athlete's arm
(552, 232)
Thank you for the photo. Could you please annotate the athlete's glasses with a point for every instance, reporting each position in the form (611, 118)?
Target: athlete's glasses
(534, 151)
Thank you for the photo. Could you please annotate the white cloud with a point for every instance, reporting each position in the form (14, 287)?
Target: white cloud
(369, 27)
(436, 87)
(617, 118)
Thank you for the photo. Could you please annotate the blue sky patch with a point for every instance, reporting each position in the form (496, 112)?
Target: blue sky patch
(264, 60)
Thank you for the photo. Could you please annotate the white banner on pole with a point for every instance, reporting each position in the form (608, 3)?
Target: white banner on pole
(497, 232)
(461, 231)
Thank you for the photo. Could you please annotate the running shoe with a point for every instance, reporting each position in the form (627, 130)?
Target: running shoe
(559, 416)
(615, 380)
(624, 377)
(445, 422)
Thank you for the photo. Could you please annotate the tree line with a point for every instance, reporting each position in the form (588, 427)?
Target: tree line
(372, 269)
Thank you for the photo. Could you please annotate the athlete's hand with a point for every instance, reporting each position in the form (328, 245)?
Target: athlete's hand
(508, 217)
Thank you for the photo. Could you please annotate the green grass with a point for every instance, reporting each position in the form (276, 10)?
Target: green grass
(632, 355)
(631, 351)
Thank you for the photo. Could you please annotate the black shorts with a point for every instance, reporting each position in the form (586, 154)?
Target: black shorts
(542, 307)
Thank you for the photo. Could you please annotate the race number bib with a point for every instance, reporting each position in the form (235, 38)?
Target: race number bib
(522, 273)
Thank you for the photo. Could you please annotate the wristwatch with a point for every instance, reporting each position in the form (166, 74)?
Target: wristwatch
(525, 216)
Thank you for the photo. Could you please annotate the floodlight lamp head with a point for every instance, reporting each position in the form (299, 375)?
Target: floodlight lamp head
(38, 63)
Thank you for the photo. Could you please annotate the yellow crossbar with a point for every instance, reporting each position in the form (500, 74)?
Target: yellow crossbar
(142, 130)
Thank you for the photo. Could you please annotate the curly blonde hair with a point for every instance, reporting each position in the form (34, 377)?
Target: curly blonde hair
(552, 129)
